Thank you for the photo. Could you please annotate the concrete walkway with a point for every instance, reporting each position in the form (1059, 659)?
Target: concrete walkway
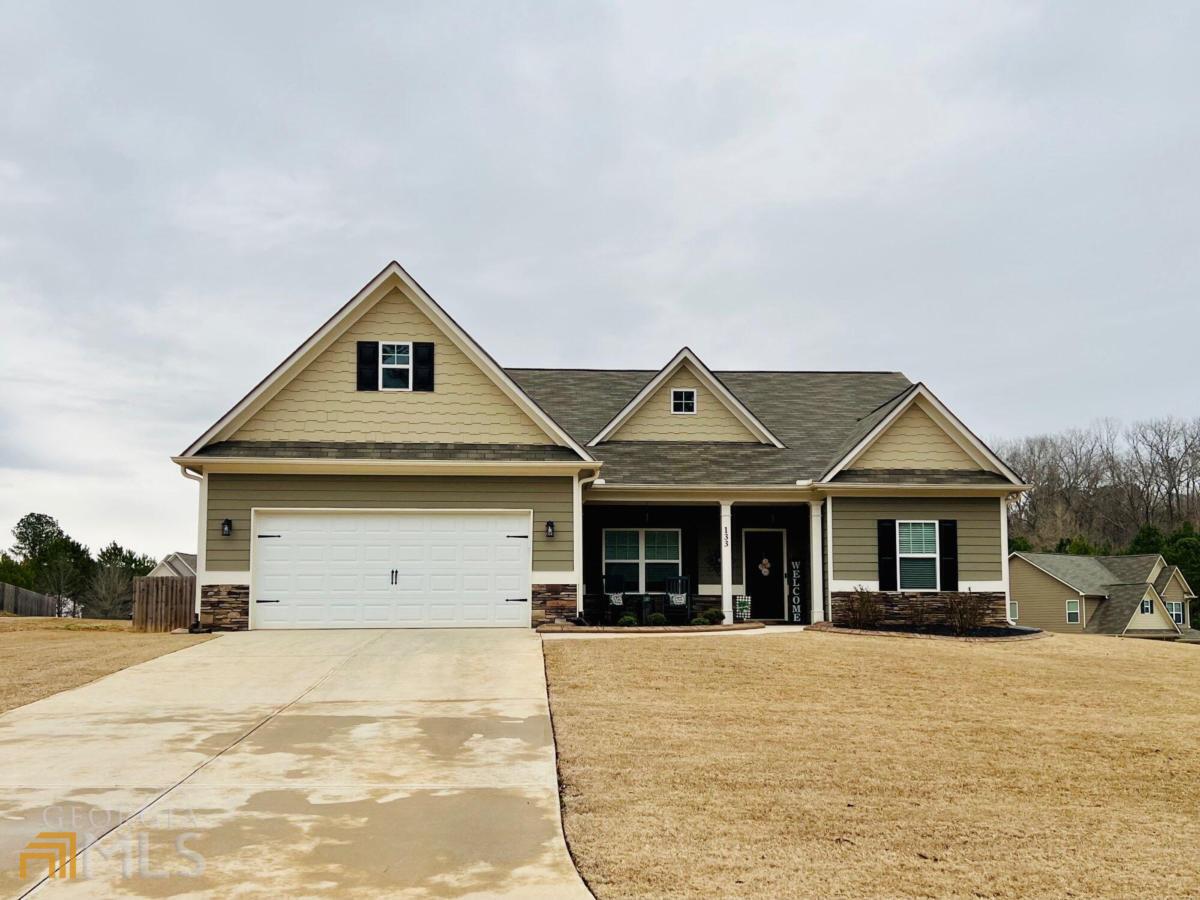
(298, 764)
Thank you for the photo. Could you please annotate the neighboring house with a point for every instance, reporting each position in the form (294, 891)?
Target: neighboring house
(391, 473)
(1140, 596)
(175, 565)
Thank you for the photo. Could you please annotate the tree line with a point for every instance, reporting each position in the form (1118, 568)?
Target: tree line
(45, 558)
(1111, 489)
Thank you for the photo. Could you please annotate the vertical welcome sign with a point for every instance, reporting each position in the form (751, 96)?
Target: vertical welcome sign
(796, 590)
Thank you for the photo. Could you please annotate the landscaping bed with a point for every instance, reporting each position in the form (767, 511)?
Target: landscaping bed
(941, 632)
(569, 628)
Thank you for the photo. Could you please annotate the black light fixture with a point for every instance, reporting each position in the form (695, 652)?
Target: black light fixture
(226, 527)
(549, 528)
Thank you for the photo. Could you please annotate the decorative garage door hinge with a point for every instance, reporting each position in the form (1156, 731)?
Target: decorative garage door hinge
(270, 535)
(517, 600)
(522, 536)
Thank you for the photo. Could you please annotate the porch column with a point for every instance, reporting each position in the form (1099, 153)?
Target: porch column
(727, 559)
(815, 568)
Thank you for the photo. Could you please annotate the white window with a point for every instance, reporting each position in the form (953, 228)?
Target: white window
(640, 559)
(683, 401)
(917, 556)
(1175, 608)
(1012, 610)
(395, 366)
(1072, 612)
(1147, 606)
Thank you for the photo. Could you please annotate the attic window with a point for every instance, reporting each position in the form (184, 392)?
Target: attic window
(1147, 606)
(395, 366)
(683, 402)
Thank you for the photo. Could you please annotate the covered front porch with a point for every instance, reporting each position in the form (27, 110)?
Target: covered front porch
(758, 561)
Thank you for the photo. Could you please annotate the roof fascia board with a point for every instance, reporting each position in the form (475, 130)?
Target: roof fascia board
(708, 379)
(959, 432)
(337, 325)
(265, 465)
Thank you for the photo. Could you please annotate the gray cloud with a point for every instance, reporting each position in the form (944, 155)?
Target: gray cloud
(999, 199)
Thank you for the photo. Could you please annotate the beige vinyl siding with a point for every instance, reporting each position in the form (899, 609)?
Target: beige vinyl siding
(1156, 620)
(1173, 589)
(914, 441)
(654, 420)
(855, 551)
(1042, 599)
(233, 496)
(322, 403)
(1091, 604)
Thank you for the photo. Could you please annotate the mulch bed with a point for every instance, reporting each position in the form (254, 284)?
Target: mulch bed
(990, 635)
(565, 627)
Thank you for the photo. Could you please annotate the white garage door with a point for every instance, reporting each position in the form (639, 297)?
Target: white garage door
(390, 570)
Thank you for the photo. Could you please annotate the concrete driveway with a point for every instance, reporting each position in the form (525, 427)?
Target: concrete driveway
(348, 763)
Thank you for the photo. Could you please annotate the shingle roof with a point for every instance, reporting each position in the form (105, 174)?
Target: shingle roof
(818, 416)
(1160, 583)
(1113, 614)
(917, 476)
(1084, 573)
(340, 450)
(1129, 569)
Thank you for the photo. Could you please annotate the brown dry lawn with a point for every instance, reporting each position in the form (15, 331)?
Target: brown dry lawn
(827, 765)
(44, 656)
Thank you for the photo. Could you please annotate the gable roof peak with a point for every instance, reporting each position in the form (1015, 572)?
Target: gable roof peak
(687, 356)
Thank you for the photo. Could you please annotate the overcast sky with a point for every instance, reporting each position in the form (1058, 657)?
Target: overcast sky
(999, 199)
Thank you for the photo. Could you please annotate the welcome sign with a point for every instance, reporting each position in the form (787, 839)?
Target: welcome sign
(796, 590)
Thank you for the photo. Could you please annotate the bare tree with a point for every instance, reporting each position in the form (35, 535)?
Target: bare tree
(111, 592)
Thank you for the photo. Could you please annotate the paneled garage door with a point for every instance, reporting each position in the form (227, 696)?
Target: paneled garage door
(390, 570)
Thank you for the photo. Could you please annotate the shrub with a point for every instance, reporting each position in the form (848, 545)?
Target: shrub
(917, 612)
(700, 620)
(627, 621)
(714, 616)
(864, 610)
(966, 612)
(656, 619)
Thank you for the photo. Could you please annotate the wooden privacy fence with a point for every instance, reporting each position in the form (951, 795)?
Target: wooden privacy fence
(22, 602)
(163, 604)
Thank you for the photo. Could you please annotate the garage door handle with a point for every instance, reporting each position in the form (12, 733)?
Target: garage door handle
(395, 573)
(517, 600)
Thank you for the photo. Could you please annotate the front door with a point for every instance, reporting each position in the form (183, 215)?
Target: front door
(765, 573)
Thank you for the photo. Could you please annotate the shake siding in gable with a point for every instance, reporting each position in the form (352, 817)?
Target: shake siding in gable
(914, 441)
(322, 403)
(1042, 600)
(712, 420)
(233, 496)
(980, 556)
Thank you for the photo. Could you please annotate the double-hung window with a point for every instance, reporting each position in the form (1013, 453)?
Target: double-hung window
(1013, 610)
(641, 559)
(1147, 606)
(395, 366)
(1175, 608)
(917, 555)
(683, 401)
(1072, 612)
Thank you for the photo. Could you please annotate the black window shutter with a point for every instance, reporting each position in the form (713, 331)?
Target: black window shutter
(886, 530)
(948, 553)
(368, 365)
(422, 367)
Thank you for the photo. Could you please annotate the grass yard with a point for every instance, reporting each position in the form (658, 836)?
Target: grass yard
(826, 765)
(43, 656)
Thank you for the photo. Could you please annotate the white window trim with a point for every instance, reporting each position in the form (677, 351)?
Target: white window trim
(1147, 601)
(1174, 607)
(641, 560)
(1078, 610)
(409, 367)
(695, 401)
(936, 556)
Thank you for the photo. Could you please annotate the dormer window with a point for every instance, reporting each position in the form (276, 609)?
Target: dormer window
(683, 402)
(395, 366)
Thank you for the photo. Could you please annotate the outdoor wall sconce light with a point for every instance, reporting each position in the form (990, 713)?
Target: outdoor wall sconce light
(549, 529)
(226, 527)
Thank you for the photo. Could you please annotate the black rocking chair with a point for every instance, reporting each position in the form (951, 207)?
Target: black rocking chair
(678, 605)
(614, 590)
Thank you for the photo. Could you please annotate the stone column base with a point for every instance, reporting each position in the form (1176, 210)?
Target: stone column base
(553, 601)
(225, 607)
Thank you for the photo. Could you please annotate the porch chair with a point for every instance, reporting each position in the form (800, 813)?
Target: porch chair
(679, 600)
(614, 589)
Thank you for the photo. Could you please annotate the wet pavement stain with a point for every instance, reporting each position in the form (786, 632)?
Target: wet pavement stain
(448, 737)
